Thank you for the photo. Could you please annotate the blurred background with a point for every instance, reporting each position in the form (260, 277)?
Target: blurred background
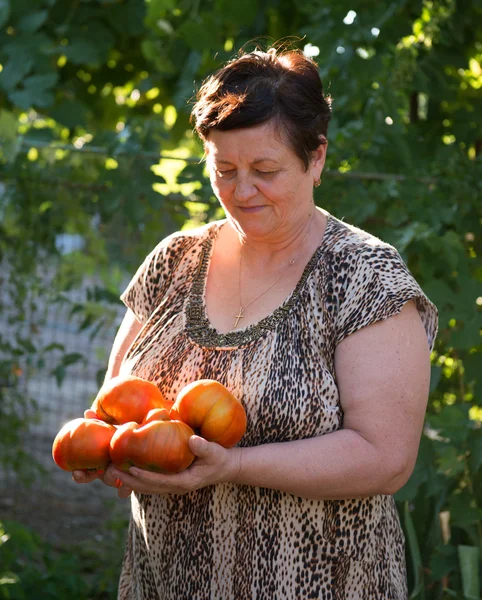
(98, 162)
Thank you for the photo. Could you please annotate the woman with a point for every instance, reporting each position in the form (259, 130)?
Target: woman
(322, 333)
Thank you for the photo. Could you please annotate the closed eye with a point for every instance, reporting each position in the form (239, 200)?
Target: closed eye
(227, 173)
(266, 173)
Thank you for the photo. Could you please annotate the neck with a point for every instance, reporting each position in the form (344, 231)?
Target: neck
(278, 248)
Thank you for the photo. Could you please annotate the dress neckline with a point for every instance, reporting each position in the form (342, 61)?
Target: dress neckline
(197, 323)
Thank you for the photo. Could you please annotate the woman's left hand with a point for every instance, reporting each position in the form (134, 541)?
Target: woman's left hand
(213, 464)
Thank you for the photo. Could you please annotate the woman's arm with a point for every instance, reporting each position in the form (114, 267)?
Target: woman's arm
(383, 374)
(126, 334)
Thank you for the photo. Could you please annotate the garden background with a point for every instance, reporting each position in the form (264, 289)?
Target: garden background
(98, 162)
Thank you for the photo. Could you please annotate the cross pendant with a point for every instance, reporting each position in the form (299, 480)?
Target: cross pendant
(238, 316)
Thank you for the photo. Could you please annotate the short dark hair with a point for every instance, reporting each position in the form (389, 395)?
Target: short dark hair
(259, 86)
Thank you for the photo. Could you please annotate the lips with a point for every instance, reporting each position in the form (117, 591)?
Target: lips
(250, 209)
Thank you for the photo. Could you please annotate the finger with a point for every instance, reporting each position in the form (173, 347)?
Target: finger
(90, 414)
(200, 447)
(160, 480)
(124, 492)
(84, 476)
(152, 483)
(111, 477)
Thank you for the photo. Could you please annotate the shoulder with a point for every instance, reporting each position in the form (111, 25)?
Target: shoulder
(354, 249)
(348, 239)
(370, 281)
(171, 262)
(170, 252)
(188, 238)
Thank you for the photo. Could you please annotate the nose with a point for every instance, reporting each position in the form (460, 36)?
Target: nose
(245, 190)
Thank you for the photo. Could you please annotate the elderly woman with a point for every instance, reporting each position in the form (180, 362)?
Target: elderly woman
(322, 333)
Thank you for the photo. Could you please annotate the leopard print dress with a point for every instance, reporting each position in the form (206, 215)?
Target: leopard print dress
(230, 541)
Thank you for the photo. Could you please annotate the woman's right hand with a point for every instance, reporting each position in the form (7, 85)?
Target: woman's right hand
(83, 476)
(87, 476)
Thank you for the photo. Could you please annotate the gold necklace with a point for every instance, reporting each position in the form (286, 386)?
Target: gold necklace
(291, 262)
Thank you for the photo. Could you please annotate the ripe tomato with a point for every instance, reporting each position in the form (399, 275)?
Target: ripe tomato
(123, 399)
(158, 444)
(83, 444)
(208, 407)
(156, 414)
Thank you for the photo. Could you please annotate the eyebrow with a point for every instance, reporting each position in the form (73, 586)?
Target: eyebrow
(255, 162)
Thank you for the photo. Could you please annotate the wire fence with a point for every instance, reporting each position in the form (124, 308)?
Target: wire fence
(51, 502)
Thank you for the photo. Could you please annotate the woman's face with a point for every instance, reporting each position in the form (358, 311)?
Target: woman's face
(260, 182)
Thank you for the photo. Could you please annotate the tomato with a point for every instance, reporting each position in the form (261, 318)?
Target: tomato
(210, 408)
(156, 414)
(159, 444)
(83, 444)
(123, 399)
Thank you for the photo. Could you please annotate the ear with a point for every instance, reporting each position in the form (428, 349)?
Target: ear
(318, 158)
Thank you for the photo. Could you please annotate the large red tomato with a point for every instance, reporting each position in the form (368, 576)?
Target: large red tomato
(123, 399)
(83, 444)
(208, 407)
(158, 444)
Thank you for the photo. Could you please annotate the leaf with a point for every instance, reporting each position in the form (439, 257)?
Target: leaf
(26, 344)
(471, 366)
(468, 336)
(409, 491)
(452, 423)
(106, 295)
(475, 448)
(70, 359)
(469, 568)
(197, 35)
(41, 81)
(185, 85)
(156, 9)
(440, 293)
(89, 46)
(191, 173)
(8, 126)
(414, 551)
(33, 21)
(463, 511)
(59, 373)
(70, 113)
(14, 70)
(4, 12)
(414, 231)
(29, 97)
(42, 134)
(10, 143)
(240, 13)
(450, 461)
(435, 374)
(127, 18)
(443, 561)
(82, 50)
(36, 91)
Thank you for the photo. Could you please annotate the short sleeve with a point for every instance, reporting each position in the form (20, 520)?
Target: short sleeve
(145, 287)
(376, 285)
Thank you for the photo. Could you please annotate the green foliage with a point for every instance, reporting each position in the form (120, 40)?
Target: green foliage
(442, 502)
(32, 568)
(95, 94)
